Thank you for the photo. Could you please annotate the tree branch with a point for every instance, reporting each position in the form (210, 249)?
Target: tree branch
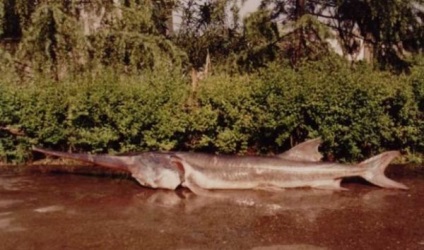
(13, 131)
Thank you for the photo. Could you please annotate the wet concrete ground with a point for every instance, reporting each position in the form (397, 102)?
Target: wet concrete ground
(47, 211)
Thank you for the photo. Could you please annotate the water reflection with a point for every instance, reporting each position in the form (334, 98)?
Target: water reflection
(309, 202)
(14, 183)
(110, 213)
(50, 194)
(49, 209)
(5, 203)
(8, 223)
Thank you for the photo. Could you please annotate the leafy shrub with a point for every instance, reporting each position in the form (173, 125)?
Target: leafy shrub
(358, 112)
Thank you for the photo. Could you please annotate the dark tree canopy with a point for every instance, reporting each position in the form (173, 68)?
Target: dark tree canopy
(65, 37)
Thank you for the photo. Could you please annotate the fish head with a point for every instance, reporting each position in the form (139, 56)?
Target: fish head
(156, 170)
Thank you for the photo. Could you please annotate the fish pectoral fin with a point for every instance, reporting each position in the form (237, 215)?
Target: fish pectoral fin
(330, 185)
(196, 189)
(305, 151)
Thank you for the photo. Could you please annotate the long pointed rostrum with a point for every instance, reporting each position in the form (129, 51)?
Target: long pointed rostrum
(109, 161)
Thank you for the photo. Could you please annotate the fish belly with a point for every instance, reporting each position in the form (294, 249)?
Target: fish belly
(255, 180)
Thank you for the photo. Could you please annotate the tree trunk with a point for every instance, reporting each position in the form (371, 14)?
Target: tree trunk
(368, 48)
(169, 23)
(300, 9)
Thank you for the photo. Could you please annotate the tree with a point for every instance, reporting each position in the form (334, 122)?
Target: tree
(388, 28)
(137, 38)
(67, 37)
(63, 38)
(209, 27)
(54, 42)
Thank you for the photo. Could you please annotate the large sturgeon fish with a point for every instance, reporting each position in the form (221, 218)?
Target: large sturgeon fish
(298, 167)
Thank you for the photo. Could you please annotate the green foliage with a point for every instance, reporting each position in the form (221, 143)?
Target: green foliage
(118, 83)
(417, 82)
(389, 27)
(54, 42)
(209, 27)
(358, 112)
(300, 34)
(227, 118)
(64, 39)
(11, 148)
(132, 42)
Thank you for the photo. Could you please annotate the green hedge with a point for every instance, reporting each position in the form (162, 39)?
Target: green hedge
(358, 112)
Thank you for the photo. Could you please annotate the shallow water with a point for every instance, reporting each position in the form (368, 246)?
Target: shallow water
(46, 211)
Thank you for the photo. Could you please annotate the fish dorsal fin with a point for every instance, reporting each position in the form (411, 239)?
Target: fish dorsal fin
(305, 151)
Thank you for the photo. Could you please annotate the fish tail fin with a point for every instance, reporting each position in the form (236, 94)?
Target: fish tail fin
(375, 167)
(108, 161)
